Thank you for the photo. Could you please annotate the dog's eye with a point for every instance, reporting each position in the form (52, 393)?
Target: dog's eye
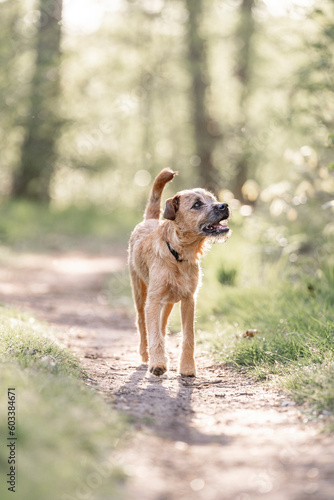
(197, 204)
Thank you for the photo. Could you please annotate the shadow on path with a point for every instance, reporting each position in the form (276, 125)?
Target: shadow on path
(163, 405)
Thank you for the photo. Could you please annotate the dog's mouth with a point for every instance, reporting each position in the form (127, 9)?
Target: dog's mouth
(216, 229)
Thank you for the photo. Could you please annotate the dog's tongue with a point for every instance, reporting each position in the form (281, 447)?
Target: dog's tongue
(219, 225)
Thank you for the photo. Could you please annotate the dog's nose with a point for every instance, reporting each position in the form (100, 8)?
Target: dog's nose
(223, 206)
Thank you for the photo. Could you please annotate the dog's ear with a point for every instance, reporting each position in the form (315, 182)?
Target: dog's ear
(172, 206)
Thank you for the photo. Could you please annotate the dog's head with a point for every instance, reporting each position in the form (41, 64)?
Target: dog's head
(198, 212)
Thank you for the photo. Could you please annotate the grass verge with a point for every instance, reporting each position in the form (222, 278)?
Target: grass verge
(276, 328)
(67, 435)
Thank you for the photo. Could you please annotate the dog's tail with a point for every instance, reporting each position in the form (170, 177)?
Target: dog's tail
(153, 208)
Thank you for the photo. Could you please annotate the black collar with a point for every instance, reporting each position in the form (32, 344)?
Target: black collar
(174, 253)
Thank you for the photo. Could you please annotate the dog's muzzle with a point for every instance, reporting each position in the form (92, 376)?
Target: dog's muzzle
(218, 219)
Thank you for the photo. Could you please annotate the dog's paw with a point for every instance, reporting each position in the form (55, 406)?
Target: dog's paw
(187, 370)
(158, 370)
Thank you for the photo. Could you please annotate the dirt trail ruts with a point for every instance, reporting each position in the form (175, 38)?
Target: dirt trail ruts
(220, 436)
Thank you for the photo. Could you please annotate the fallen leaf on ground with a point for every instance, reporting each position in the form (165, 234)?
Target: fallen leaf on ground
(250, 333)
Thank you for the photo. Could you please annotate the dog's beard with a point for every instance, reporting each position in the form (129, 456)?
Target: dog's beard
(219, 238)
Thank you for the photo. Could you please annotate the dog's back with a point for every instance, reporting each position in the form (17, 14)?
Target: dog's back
(153, 208)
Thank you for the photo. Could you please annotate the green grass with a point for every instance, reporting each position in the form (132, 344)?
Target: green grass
(25, 341)
(66, 434)
(314, 386)
(293, 319)
(26, 225)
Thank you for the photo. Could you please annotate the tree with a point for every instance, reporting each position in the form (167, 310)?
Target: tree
(244, 35)
(311, 96)
(200, 84)
(38, 154)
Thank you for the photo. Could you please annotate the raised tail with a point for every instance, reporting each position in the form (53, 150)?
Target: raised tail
(153, 208)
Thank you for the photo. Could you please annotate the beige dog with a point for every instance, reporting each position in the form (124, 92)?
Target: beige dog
(164, 263)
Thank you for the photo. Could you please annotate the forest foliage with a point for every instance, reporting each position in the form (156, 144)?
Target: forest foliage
(226, 92)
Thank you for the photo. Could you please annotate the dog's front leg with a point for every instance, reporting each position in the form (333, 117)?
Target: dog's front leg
(158, 359)
(187, 362)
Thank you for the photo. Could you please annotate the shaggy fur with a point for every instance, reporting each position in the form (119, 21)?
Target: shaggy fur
(164, 263)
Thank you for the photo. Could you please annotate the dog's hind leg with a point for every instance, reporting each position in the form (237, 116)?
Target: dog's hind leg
(139, 294)
(166, 310)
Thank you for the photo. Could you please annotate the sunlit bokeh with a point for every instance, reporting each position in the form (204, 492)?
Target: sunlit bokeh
(288, 7)
(86, 16)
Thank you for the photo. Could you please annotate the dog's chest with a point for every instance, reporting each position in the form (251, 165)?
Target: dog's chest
(180, 283)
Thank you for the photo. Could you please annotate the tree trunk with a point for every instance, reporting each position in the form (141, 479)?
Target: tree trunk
(244, 34)
(38, 154)
(204, 141)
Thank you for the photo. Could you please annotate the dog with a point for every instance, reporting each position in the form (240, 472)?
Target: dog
(164, 265)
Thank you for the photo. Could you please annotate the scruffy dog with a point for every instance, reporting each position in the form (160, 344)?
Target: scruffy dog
(164, 263)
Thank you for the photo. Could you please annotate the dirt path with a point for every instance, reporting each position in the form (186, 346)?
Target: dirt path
(220, 436)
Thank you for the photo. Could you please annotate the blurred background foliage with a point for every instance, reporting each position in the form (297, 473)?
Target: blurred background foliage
(98, 96)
